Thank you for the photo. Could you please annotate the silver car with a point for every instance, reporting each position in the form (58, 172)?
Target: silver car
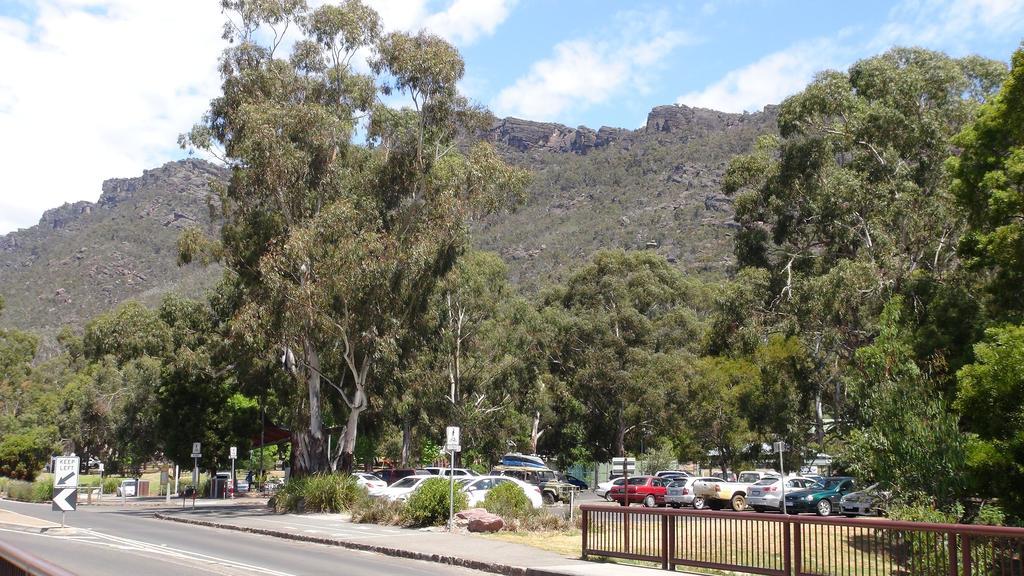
(680, 492)
(766, 494)
(871, 501)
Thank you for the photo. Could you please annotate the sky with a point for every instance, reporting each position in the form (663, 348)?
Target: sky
(96, 89)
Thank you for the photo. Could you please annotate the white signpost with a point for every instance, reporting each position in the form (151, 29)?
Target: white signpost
(65, 484)
(197, 453)
(780, 447)
(452, 446)
(233, 453)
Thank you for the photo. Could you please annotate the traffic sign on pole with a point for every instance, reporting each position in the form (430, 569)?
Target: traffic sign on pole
(452, 439)
(65, 484)
(233, 452)
(197, 450)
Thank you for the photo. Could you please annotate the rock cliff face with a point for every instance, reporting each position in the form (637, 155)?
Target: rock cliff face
(84, 258)
(653, 188)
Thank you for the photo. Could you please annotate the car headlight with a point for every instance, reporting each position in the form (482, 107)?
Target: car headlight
(810, 498)
(844, 500)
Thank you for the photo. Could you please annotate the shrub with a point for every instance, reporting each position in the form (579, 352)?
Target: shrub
(330, 492)
(24, 454)
(508, 501)
(428, 505)
(4, 482)
(42, 488)
(39, 491)
(366, 510)
(110, 484)
(289, 497)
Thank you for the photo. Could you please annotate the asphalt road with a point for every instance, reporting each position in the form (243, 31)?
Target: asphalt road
(118, 542)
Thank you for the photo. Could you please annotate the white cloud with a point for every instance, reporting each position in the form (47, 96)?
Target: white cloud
(94, 89)
(461, 22)
(585, 72)
(948, 25)
(768, 80)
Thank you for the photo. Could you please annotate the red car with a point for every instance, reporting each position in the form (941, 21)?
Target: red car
(650, 490)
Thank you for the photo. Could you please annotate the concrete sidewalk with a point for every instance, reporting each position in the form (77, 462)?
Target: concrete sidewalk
(459, 549)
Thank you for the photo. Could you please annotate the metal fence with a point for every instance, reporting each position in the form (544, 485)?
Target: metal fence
(15, 562)
(779, 545)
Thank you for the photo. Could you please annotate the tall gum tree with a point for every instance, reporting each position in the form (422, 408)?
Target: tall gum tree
(335, 246)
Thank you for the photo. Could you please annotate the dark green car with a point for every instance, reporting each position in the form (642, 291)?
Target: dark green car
(822, 499)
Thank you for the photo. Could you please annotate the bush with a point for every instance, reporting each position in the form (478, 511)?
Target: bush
(23, 455)
(428, 505)
(330, 492)
(110, 484)
(39, 491)
(289, 498)
(508, 501)
(4, 482)
(366, 510)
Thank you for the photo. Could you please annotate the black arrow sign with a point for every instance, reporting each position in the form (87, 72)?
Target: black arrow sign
(65, 500)
(65, 479)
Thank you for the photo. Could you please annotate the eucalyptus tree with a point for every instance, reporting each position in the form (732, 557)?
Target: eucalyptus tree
(335, 247)
(850, 205)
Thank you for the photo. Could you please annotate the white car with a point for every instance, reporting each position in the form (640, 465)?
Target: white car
(369, 481)
(477, 487)
(439, 471)
(766, 494)
(680, 492)
(403, 488)
(603, 487)
(128, 487)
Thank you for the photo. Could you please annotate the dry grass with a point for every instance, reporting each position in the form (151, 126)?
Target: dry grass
(567, 544)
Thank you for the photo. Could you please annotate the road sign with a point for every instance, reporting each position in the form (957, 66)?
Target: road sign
(628, 463)
(780, 447)
(65, 472)
(452, 439)
(233, 452)
(65, 499)
(196, 450)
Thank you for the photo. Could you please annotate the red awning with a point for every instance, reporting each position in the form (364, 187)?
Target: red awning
(272, 434)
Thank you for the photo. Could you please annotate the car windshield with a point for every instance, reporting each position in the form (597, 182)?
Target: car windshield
(637, 480)
(407, 482)
(833, 483)
(749, 477)
(677, 484)
(464, 481)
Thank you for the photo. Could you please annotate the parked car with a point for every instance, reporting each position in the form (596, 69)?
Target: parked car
(603, 487)
(441, 471)
(679, 492)
(822, 499)
(369, 481)
(718, 494)
(402, 488)
(392, 475)
(570, 479)
(649, 490)
(871, 501)
(672, 474)
(241, 486)
(767, 494)
(477, 487)
(551, 488)
(128, 487)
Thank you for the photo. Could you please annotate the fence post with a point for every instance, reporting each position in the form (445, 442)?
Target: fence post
(965, 553)
(625, 528)
(584, 526)
(951, 546)
(798, 551)
(664, 541)
(787, 542)
(671, 554)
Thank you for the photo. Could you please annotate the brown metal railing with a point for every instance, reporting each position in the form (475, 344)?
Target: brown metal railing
(15, 562)
(778, 545)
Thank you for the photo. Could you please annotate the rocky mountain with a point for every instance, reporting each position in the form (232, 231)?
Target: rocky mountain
(653, 188)
(85, 258)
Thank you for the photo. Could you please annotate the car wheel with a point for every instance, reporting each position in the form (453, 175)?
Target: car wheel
(699, 503)
(649, 501)
(739, 502)
(824, 508)
(549, 498)
(758, 508)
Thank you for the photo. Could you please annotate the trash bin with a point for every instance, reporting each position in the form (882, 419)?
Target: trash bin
(222, 481)
(143, 488)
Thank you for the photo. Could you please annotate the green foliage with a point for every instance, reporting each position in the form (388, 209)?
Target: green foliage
(24, 491)
(330, 492)
(290, 497)
(508, 501)
(24, 454)
(656, 458)
(428, 505)
(380, 511)
(110, 484)
(991, 400)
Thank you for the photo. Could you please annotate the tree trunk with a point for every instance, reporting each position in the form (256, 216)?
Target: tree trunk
(620, 437)
(535, 433)
(308, 446)
(348, 442)
(406, 442)
(819, 422)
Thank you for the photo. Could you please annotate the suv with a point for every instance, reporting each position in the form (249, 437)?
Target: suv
(551, 488)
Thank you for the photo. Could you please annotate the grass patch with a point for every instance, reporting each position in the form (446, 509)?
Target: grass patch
(567, 544)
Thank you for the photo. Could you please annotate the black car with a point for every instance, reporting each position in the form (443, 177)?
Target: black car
(570, 479)
(822, 499)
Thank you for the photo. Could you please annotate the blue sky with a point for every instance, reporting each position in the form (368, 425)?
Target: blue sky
(94, 89)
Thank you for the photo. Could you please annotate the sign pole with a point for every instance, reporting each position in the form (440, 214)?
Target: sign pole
(234, 484)
(452, 446)
(782, 481)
